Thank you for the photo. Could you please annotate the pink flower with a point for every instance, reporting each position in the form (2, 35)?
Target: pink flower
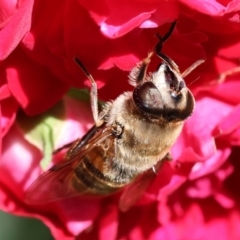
(15, 22)
(194, 196)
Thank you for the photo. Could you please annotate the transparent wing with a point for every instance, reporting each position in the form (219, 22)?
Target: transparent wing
(56, 183)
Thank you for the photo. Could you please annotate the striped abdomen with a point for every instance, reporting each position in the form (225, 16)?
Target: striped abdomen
(93, 173)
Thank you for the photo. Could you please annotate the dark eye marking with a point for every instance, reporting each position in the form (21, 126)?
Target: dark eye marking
(148, 99)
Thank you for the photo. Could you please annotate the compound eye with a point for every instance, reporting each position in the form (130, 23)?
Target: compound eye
(148, 99)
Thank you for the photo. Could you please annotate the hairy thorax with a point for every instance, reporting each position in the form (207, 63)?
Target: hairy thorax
(144, 141)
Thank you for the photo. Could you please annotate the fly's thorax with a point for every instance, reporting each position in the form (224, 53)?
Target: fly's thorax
(143, 141)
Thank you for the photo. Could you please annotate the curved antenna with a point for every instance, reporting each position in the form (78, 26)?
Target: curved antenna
(158, 48)
(167, 59)
(192, 67)
(163, 39)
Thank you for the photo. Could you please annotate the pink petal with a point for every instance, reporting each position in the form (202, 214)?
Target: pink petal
(18, 25)
(4, 92)
(228, 123)
(194, 225)
(202, 189)
(210, 165)
(8, 9)
(78, 120)
(207, 7)
(109, 223)
(9, 108)
(113, 23)
(224, 201)
(233, 6)
(63, 217)
(112, 31)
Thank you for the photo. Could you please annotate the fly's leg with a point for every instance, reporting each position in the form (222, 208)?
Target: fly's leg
(93, 93)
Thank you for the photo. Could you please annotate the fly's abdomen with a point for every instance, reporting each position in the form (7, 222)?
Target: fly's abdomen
(91, 176)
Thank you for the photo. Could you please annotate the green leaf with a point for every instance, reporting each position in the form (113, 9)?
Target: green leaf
(43, 130)
(82, 95)
(79, 94)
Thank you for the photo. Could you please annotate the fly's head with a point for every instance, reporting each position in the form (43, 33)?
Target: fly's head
(164, 94)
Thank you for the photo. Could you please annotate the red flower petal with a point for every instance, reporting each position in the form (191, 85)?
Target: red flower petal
(63, 220)
(7, 10)
(9, 107)
(16, 26)
(35, 87)
(122, 17)
(78, 120)
(194, 224)
(229, 123)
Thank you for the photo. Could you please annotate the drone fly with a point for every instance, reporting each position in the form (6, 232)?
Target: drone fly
(132, 135)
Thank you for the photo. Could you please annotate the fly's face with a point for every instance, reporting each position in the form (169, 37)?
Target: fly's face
(165, 95)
